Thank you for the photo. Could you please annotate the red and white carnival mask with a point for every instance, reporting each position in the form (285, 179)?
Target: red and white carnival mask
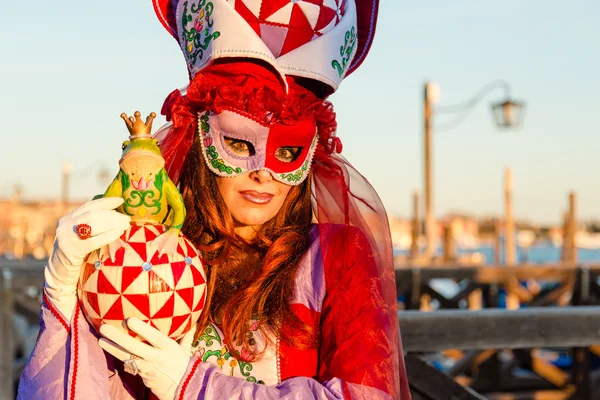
(233, 144)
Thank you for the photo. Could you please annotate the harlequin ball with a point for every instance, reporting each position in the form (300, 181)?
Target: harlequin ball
(165, 291)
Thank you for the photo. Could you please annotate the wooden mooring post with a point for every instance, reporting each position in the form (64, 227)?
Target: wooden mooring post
(564, 256)
(449, 244)
(569, 247)
(510, 249)
(572, 251)
(416, 228)
(510, 256)
(497, 241)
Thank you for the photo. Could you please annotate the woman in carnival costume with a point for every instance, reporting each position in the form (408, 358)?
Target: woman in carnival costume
(301, 298)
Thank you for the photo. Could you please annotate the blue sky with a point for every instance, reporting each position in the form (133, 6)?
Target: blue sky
(68, 69)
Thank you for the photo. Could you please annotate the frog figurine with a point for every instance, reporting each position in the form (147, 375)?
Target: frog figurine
(148, 193)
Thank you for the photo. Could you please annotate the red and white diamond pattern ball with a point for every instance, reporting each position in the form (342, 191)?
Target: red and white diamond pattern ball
(285, 25)
(166, 292)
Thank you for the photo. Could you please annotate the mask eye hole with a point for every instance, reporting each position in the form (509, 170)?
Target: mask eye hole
(239, 147)
(288, 153)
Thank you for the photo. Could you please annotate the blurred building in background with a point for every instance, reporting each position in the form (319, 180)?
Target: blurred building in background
(27, 227)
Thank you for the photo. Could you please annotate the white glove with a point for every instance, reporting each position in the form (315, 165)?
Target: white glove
(64, 264)
(161, 364)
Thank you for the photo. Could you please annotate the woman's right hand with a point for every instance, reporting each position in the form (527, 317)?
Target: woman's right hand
(62, 271)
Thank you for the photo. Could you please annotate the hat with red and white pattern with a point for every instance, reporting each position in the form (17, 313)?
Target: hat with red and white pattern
(324, 40)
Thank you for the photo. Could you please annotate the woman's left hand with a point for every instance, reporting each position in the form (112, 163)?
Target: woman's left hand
(161, 364)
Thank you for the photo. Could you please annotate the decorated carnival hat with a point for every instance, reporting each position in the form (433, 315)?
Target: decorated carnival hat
(324, 40)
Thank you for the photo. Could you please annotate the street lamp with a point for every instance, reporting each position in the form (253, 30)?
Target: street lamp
(507, 114)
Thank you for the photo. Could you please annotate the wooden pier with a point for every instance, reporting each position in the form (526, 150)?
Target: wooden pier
(497, 352)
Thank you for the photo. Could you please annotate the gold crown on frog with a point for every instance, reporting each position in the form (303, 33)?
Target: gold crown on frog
(137, 128)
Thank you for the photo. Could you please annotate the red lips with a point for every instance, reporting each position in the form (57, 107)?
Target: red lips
(256, 197)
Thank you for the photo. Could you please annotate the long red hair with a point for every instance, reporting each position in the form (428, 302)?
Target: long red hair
(245, 280)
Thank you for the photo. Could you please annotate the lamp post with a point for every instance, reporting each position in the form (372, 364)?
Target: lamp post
(507, 114)
(431, 93)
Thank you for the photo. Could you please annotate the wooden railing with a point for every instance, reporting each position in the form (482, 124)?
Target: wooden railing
(20, 288)
(573, 284)
(481, 333)
(476, 338)
(559, 311)
(500, 329)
